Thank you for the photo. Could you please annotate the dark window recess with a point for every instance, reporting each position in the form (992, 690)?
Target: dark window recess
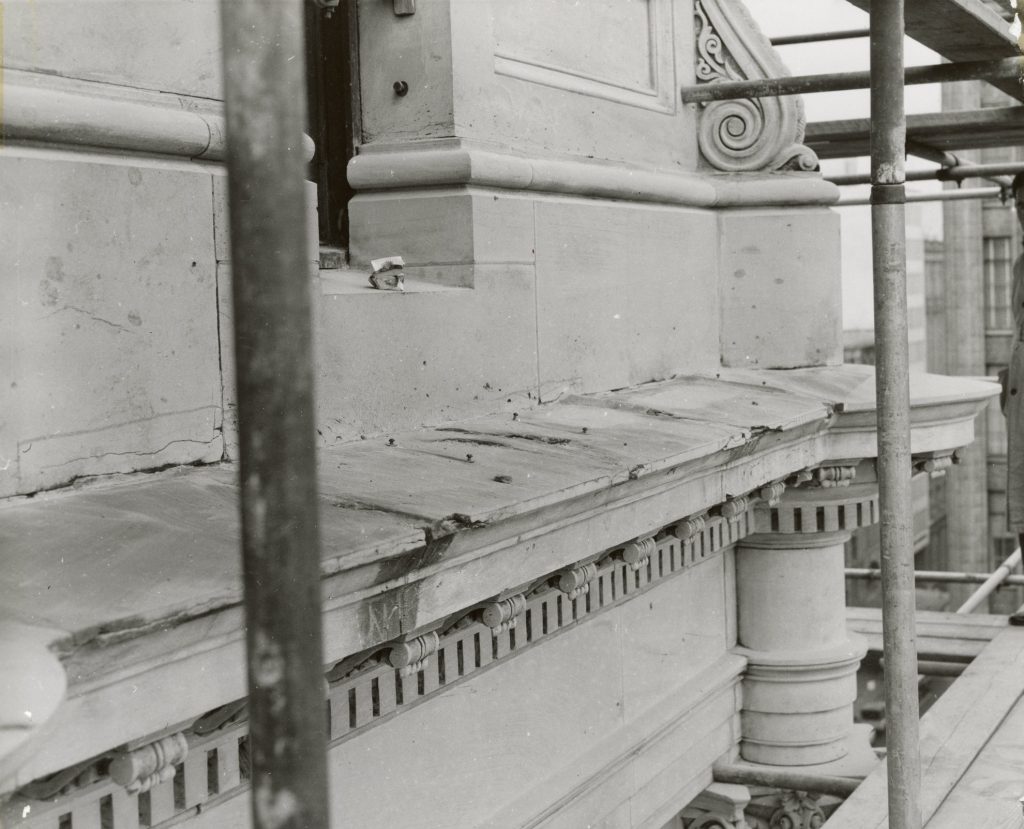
(332, 87)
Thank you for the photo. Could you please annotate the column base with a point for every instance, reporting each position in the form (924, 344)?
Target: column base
(798, 707)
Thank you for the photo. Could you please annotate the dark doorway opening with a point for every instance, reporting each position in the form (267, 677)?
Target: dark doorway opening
(332, 88)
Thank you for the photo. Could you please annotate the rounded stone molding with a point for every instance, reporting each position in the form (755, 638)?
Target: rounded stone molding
(799, 711)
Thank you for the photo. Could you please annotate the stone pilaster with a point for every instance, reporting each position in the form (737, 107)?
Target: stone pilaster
(800, 684)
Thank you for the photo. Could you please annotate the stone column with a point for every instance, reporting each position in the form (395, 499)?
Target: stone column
(800, 684)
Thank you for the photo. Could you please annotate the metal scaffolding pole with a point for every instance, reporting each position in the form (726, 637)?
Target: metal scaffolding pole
(984, 70)
(784, 778)
(959, 171)
(888, 238)
(265, 100)
(939, 576)
(1001, 575)
(942, 195)
(819, 37)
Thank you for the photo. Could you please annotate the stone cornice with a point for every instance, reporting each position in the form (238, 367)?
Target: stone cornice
(455, 163)
(48, 110)
(696, 445)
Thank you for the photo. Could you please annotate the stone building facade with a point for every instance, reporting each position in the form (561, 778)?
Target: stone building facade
(585, 483)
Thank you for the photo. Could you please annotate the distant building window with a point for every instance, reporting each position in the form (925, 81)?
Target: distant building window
(998, 280)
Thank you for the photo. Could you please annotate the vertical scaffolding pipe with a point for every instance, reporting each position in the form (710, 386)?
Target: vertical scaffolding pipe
(888, 236)
(264, 80)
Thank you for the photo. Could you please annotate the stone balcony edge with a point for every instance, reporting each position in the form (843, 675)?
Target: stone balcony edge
(400, 585)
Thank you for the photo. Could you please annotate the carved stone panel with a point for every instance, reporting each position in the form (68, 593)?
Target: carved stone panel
(622, 53)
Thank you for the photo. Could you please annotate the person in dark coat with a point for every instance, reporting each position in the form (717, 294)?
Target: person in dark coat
(1012, 381)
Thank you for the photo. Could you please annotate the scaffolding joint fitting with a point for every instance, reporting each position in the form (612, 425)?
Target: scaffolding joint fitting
(888, 194)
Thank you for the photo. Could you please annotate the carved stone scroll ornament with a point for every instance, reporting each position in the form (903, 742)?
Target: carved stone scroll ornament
(733, 508)
(745, 135)
(503, 614)
(798, 810)
(575, 581)
(413, 654)
(637, 552)
(787, 809)
(139, 770)
(689, 527)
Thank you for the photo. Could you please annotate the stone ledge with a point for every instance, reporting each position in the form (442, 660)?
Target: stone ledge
(454, 162)
(141, 574)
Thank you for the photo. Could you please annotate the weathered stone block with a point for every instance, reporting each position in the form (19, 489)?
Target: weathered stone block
(392, 360)
(780, 288)
(170, 46)
(109, 326)
(626, 293)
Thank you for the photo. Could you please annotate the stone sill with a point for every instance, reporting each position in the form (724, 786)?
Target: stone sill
(137, 581)
(343, 281)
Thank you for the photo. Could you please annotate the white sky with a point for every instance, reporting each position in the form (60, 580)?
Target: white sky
(787, 17)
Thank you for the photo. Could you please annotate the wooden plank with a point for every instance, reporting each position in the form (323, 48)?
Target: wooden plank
(953, 733)
(962, 130)
(959, 30)
(987, 795)
(938, 634)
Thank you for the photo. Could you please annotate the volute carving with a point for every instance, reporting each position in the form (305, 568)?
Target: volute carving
(139, 770)
(745, 135)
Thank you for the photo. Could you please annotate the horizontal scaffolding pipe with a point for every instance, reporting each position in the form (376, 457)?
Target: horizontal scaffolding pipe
(935, 576)
(962, 170)
(865, 178)
(985, 70)
(942, 195)
(935, 668)
(1000, 576)
(819, 37)
(744, 775)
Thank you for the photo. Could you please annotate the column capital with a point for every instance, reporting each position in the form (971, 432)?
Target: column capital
(825, 500)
